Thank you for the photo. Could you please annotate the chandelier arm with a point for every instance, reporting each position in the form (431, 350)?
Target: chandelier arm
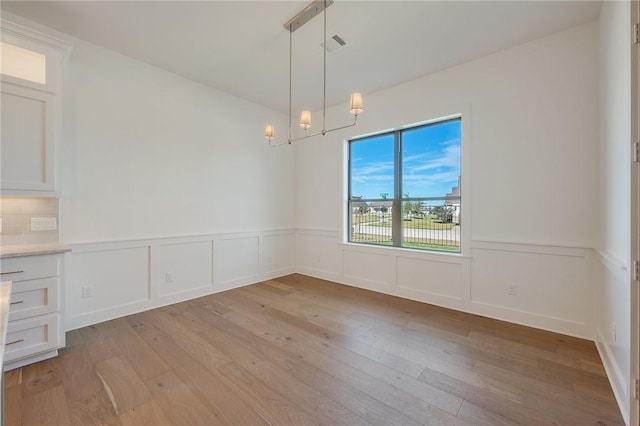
(272, 145)
(324, 132)
(355, 121)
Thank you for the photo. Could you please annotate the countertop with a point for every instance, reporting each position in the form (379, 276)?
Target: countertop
(33, 250)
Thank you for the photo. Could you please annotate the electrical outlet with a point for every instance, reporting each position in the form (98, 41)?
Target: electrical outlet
(87, 291)
(512, 290)
(168, 277)
(317, 259)
(44, 224)
(269, 260)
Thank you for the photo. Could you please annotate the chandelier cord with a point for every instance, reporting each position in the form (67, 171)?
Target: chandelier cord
(324, 75)
(356, 100)
(290, 77)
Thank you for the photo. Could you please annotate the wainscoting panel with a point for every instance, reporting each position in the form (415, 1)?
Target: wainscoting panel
(236, 261)
(318, 255)
(113, 277)
(613, 323)
(553, 285)
(126, 277)
(438, 278)
(182, 267)
(368, 268)
(277, 253)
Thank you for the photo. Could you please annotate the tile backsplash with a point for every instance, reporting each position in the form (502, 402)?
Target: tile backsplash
(16, 214)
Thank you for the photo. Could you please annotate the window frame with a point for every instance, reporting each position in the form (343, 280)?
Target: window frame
(398, 199)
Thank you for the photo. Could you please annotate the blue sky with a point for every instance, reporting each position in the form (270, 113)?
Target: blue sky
(430, 162)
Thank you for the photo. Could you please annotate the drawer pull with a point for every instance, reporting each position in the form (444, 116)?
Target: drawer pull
(17, 302)
(14, 342)
(12, 272)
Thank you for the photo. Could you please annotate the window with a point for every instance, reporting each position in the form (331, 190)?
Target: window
(22, 63)
(404, 187)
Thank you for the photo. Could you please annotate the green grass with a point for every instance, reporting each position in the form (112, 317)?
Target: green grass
(453, 249)
(427, 222)
(408, 243)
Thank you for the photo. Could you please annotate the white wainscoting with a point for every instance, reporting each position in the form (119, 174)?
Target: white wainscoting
(613, 325)
(180, 267)
(126, 277)
(554, 285)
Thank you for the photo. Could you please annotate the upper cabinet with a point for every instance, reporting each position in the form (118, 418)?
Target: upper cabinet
(30, 75)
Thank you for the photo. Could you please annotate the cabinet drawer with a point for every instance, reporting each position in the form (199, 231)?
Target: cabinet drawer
(31, 298)
(28, 268)
(30, 337)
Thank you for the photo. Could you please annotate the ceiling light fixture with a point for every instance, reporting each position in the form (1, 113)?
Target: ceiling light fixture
(355, 104)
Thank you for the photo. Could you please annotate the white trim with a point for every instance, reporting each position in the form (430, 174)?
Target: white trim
(463, 112)
(480, 242)
(91, 246)
(634, 296)
(617, 266)
(40, 37)
(153, 298)
(616, 378)
(575, 326)
(30, 360)
(436, 256)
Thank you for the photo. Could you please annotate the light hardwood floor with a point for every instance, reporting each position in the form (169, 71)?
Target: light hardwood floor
(298, 350)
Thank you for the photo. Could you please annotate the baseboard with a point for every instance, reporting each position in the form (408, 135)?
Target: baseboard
(30, 360)
(615, 376)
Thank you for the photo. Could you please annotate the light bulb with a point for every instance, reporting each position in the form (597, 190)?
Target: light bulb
(269, 132)
(305, 119)
(355, 106)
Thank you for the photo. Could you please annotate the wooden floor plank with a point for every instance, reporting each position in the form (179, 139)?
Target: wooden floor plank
(299, 350)
(481, 417)
(214, 394)
(177, 404)
(13, 397)
(52, 408)
(149, 413)
(44, 375)
(271, 404)
(309, 341)
(144, 361)
(272, 365)
(122, 384)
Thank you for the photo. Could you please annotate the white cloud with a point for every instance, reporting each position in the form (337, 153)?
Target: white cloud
(449, 159)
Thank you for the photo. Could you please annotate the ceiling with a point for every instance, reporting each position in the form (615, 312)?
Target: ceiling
(242, 48)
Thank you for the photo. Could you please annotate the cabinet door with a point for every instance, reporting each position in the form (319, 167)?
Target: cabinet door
(31, 337)
(27, 135)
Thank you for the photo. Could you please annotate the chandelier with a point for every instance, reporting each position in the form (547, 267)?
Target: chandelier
(355, 103)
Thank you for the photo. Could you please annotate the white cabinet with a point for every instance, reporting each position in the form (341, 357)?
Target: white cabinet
(27, 135)
(30, 69)
(35, 329)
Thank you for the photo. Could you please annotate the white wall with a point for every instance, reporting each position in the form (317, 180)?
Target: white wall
(613, 277)
(168, 189)
(529, 150)
(146, 153)
(179, 172)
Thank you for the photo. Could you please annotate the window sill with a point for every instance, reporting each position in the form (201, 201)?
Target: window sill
(406, 252)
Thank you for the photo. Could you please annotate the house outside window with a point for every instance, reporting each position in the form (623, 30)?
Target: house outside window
(405, 187)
